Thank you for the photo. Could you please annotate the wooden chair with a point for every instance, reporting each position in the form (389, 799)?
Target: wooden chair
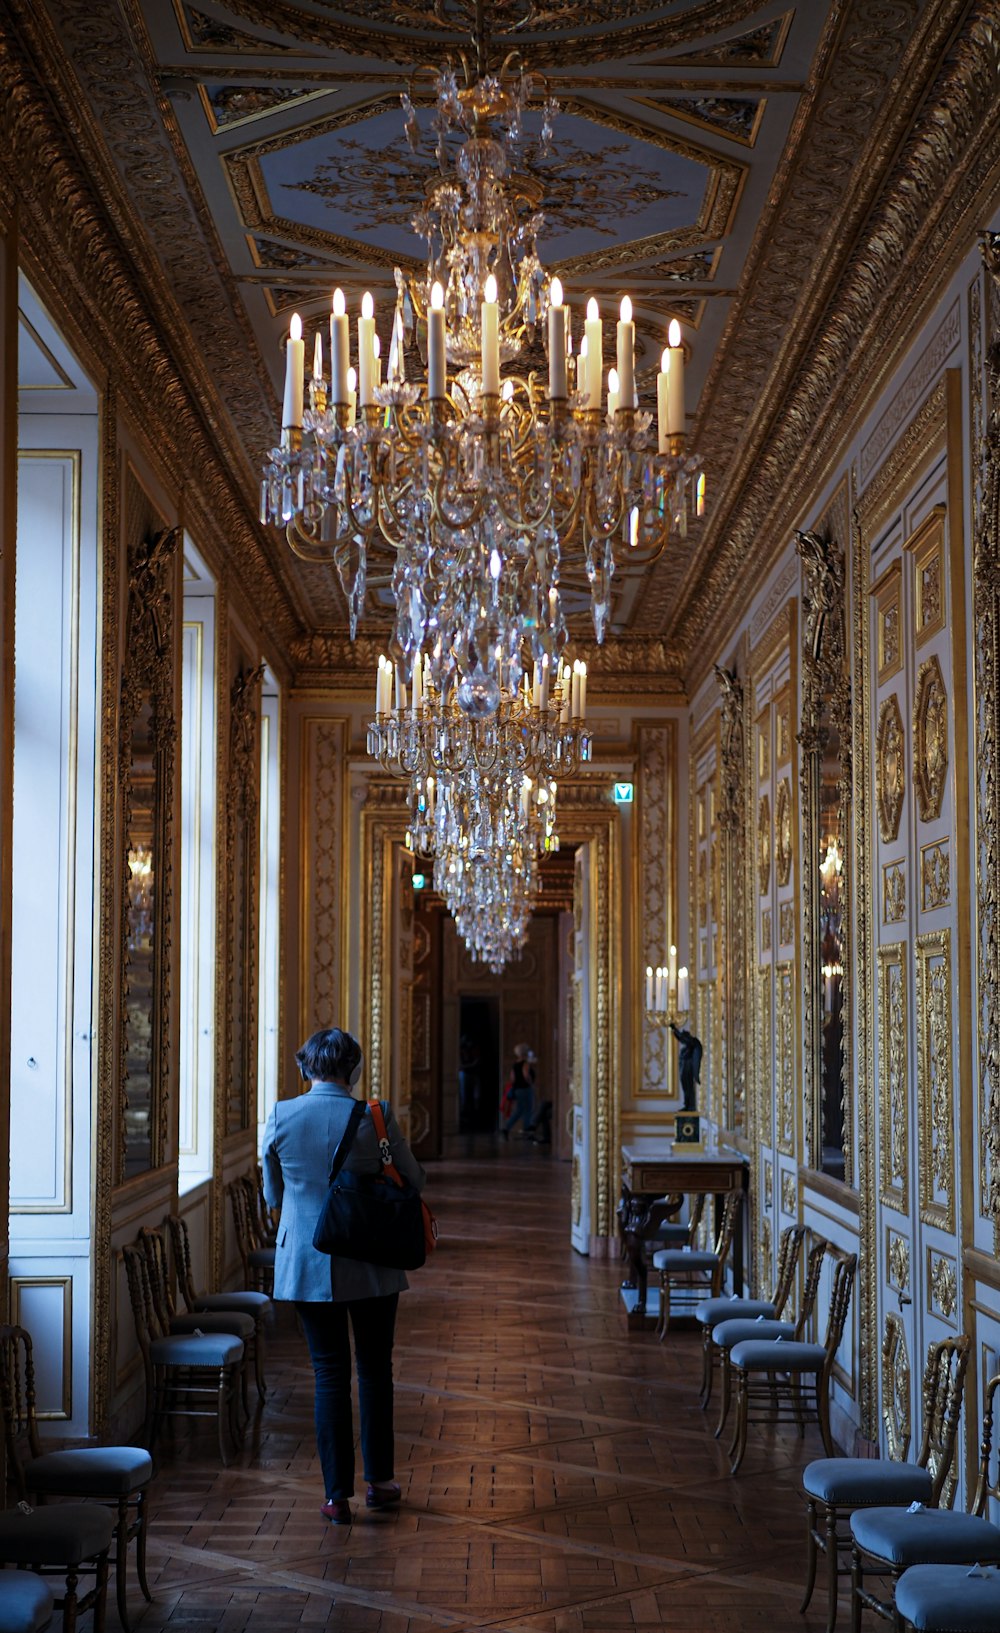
(243, 1300)
(795, 1376)
(835, 1487)
(713, 1311)
(256, 1255)
(68, 1540)
(727, 1334)
(182, 1368)
(241, 1326)
(116, 1476)
(692, 1271)
(887, 1541)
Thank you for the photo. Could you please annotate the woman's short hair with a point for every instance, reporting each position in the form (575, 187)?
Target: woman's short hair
(329, 1056)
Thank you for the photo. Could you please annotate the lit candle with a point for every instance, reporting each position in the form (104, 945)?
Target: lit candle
(558, 347)
(544, 693)
(583, 690)
(400, 689)
(683, 993)
(659, 986)
(295, 369)
(536, 686)
(633, 526)
(352, 395)
(675, 387)
(672, 968)
(340, 349)
(593, 334)
(613, 397)
(699, 508)
(626, 354)
(564, 677)
(649, 986)
(366, 350)
(377, 348)
(526, 797)
(378, 687)
(318, 356)
(417, 677)
(430, 796)
(490, 339)
(436, 366)
(396, 350)
(662, 393)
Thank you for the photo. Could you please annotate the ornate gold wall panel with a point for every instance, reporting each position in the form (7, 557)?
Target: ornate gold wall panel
(890, 768)
(896, 1407)
(653, 900)
(323, 900)
(787, 1077)
(935, 1080)
(930, 740)
(893, 1084)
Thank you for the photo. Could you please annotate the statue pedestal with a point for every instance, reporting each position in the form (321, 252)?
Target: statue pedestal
(687, 1132)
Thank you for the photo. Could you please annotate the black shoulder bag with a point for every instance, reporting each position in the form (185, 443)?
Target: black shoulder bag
(369, 1216)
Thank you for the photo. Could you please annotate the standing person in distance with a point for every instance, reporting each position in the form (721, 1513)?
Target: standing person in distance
(334, 1295)
(521, 1084)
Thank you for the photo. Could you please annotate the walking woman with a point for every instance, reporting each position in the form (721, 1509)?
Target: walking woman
(521, 1085)
(330, 1293)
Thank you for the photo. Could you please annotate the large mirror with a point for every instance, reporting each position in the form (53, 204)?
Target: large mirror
(826, 783)
(145, 773)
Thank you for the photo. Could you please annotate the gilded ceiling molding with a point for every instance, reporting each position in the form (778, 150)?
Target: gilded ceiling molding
(365, 39)
(945, 172)
(73, 219)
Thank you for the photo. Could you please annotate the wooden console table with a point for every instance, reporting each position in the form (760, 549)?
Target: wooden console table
(655, 1181)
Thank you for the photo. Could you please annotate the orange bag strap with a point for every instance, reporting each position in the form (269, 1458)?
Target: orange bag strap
(384, 1148)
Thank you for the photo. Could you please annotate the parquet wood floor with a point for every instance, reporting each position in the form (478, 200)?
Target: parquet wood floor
(558, 1476)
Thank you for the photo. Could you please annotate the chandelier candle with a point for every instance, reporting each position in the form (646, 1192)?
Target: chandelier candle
(593, 334)
(295, 372)
(662, 400)
(626, 356)
(491, 339)
(366, 351)
(340, 350)
(675, 381)
(614, 392)
(683, 992)
(437, 372)
(557, 343)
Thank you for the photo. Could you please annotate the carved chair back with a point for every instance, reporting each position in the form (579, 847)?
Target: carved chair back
(155, 1249)
(814, 1269)
(181, 1244)
(844, 1273)
(943, 1385)
(789, 1253)
(695, 1218)
(246, 1242)
(17, 1403)
(266, 1223)
(148, 1325)
(727, 1225)
(987, 1485)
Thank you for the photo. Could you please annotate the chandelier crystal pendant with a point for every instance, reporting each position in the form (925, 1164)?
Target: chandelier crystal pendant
(479, 495)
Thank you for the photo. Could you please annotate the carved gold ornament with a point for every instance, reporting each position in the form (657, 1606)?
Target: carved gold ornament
(783, 732)
(893, 1114)
(896, 1388)
(927, 545)
(789, 1194)
(763, 751)
(765, 930)
(787, 923)
(899, 1261)
(935, 876)
(785, 1028)
(890, 769)
(894, 892)
(783, 833)
(764, 844)
(889, 643)
(930, 733)
(942, 1285)
(768, 1184)
(935, 1078)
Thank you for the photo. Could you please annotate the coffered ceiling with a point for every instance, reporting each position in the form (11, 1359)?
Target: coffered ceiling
(707, 158)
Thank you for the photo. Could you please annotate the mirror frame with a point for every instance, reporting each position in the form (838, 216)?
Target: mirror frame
(826, 691)
(242, 875)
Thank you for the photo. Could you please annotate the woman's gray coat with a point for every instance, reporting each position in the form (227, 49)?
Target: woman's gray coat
(299, 1141)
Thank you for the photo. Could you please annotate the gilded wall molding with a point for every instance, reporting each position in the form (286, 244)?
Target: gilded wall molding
(865, 910)
(935, 1081)
(733, 964)
(787, 1076)
(241, 871)
(893, 1078)
(896, 1407)
(930, 740)
(890, 768)
(323, 884)
(654, 906)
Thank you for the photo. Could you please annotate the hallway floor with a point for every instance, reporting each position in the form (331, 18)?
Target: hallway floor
(557, 1473)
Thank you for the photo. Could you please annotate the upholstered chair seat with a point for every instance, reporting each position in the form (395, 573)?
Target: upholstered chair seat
(235, 1322)
(196, 1350)
(727, 1334)
(245, 1302)
(949, 1599)
(63, 1534)
(90, 1471)
(865, 1482)
(778, 1355)
(682, 1258)
(25, 1602)
(712, 1311)
(935, 1536)
(691, 1272)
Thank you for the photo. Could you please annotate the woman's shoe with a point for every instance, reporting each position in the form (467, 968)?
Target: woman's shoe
(383, 1496)
(337, 1510)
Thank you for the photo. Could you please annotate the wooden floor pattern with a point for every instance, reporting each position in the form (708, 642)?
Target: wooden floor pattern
(558, 1476)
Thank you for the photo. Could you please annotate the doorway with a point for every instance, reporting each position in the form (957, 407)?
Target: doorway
(478, 1065)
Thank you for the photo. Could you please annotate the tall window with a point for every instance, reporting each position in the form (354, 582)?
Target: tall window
(198, 873)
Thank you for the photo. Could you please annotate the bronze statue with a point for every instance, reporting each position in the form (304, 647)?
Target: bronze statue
(688, 1064)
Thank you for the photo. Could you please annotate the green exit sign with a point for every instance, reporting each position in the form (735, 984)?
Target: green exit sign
(623, 793)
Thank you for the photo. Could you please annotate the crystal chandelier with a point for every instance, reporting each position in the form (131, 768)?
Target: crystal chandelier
(478, 493)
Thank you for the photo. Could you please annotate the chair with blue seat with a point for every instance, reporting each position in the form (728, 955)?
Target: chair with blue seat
(26, 1603)
(242, 1326)
(695, 1272)
(182, 1369)
(243, 1299)
(728, 1333)
(117, 1476)
(712, 1311)
(790, 1375)
(948, 1599)
(835, 1487)
(886, 1542)
(67, 1541)
(255, 1250)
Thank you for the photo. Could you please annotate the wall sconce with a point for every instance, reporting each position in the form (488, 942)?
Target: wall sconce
(668, 992)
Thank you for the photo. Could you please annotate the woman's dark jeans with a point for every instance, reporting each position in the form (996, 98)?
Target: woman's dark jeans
(325, 1324)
